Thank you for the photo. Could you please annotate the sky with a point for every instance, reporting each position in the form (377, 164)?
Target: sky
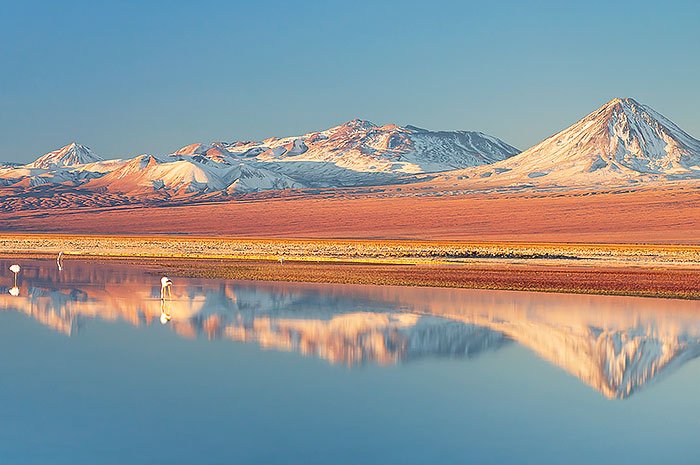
(127, 78)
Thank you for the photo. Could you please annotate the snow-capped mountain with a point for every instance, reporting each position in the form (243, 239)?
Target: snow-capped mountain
(71, 155)
(622, 140)
(147, 173)
(189, 174)
(363, 147)
(73, 164)
(356, 153)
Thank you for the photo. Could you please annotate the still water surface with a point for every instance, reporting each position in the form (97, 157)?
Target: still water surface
(258, 372)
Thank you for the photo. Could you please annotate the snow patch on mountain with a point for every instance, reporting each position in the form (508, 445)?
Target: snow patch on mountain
(148, 173)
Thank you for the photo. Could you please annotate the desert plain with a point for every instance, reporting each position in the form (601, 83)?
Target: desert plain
(613, 241)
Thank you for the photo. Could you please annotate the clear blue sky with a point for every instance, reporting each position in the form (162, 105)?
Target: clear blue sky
(132, 77)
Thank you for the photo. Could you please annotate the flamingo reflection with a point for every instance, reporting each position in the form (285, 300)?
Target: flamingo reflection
(165, 289)
(164, 314)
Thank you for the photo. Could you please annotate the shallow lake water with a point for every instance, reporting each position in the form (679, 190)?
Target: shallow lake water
(94, 368)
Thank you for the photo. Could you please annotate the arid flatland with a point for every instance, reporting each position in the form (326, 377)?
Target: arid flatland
(661, 216)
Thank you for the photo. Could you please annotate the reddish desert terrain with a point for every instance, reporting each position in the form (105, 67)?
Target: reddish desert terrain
(660, 216)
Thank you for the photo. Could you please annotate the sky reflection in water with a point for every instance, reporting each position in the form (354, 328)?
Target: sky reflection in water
(388, 374)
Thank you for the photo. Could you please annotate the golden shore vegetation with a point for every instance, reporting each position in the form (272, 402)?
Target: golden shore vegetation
(361, 251)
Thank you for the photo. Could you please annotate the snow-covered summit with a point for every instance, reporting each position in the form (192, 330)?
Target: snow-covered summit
(641, 139)
(622, 139)
(358, 149)
(648, 137)
(72, 154)
(360, 124)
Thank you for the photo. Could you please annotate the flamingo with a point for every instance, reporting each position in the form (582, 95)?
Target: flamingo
(15, 269)
(14, 291)
(165, 287)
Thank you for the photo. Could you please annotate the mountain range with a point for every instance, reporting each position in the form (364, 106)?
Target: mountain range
(621, 143)
(356, 153)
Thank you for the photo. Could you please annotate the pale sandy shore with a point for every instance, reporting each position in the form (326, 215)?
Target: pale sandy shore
(361, 251)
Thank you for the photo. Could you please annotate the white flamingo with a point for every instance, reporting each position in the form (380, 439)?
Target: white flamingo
(165, 287)
(14, 291)
(15, 269)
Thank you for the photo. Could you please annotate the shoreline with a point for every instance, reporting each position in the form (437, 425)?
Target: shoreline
(638, 281)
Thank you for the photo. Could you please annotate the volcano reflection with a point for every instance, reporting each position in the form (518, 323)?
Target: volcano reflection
(614, 344)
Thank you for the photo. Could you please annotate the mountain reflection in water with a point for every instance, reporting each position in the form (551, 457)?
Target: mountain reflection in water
(614, 344)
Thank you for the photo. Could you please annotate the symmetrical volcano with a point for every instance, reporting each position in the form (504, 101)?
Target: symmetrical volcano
(71, 155)
(621, 141)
